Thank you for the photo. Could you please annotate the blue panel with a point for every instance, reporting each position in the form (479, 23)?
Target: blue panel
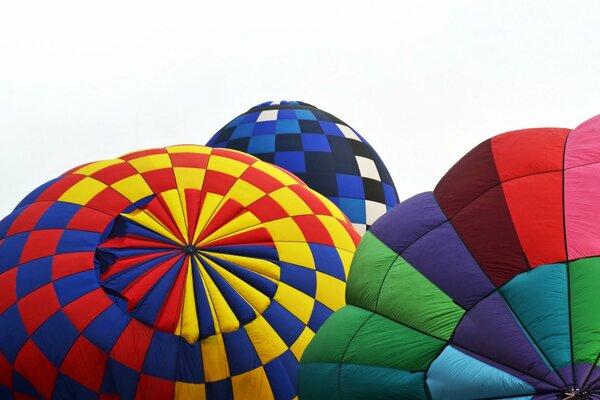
(389, 192)
(219, 390)
(287, 326)
(161, 359)
(319, 314)
(74, 286)
(13, 334)
(454, 374)
(22, 385)
(125, 379)
(330, 128)
(108, 383)
(279, 379)
(55, 337)
(66, 388)
(305, 115)
(286, 114)
(10, 250)
(261, 144)
(286, 125)
(350, 186)
(303, 279)
(33, 275)
(243, 130)
(254, 251)
(120, 280)
(236, 121)
(289, 362)
(292, 161)
(328, 261)
(31, 197)
(250, 117)
(241, 355)
(73, 241)
(264, 128)
(315, 142)
(6, 223)
(5, 393)
(57, 216)
(354, 210)
(189, 363)
(107, 327)
(127, 227)
(205, 320)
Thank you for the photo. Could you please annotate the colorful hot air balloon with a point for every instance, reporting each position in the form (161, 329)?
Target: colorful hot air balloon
(323, 151)
(183, 272)
(486, 288)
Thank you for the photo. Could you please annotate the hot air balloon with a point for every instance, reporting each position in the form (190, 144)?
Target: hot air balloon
(485, 288)
(179, 272)
(323, 151)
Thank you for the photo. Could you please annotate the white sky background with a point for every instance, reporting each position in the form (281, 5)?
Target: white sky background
(423, 82)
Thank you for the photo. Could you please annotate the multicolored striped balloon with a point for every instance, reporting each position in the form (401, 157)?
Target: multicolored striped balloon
(486, 288)
(180, 272)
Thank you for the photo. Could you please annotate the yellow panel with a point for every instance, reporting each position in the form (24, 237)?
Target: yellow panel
(252, 385)
(185, 391)
(133, 188)
(241, 223)
(97, 166)
(295, 253)
(214, 358)
(330, 291)
(346, 257)
(209, 207)
(284, 229)
(189, 149)
(296, 302)
(173, 201)
(281, 176)
(266, 341)
(333, 209)
(291, 202)
(146, 219)
(340, 236)
(227, 165)
(189, 178)
(188, 326)
(254, 297)
(83, 191)
(226, 319)
(266, 268)
(300, 344)
(151, 163)
(245, 193)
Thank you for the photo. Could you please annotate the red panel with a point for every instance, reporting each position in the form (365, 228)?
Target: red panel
(142, 153)
(69, 172)
(194, 199)
(255, 236)
(36, 368)
(236, 155)
(313, 229)
(311, 200)
(40, 244)
(529, 151)
(261, 179)
(59, 187)
(132, 345)
(28, 218)
(21, 396)
(160, 209)
(6, 371)
(109, 201)
(128, 262)
(189, 160)
(218, 182)
(169, 315)
(71, 263)
(228, 211)
(38, 306)
(139, 288)
(8, 289)
(154, 388)
(536, 207)
(90, 220)
(109, 397)
(114, 173)
(267, 209)
(160, 180)
(85, 363)
(85, 309)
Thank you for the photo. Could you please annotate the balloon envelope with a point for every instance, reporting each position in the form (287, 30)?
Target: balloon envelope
(182, 272)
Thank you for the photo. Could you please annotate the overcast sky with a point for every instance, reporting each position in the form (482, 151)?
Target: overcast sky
(422, 81)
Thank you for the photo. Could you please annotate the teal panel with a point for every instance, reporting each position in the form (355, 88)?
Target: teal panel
(374, 383)
(318, 381)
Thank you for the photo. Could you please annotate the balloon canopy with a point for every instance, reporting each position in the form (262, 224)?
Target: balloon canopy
(180, 272)
(323, 151)
(486, 288)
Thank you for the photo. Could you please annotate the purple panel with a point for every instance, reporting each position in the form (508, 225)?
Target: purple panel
(408, 221)
(491, 330)
(442, 257)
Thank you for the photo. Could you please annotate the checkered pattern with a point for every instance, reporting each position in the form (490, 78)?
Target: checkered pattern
(320, 149)
(168, 273)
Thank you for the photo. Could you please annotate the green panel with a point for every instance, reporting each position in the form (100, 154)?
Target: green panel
(333, 337)
(369, 267)
(584, 276)
(318, 381)
(382, 342)
(410, 298)
(374, 383)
